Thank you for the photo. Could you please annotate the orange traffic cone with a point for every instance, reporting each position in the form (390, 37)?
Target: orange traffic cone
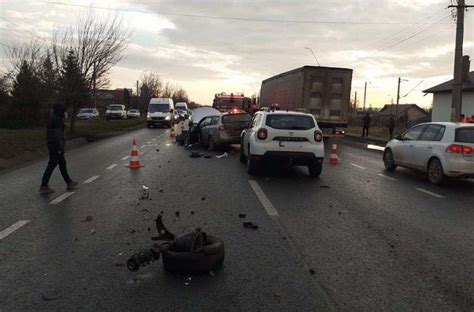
(172, 134)
(333, 160)
(134, 161)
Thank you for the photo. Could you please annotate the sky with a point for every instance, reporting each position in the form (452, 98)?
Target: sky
(211, 46)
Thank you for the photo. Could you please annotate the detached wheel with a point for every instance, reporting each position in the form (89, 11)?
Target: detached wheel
(435, 172)
(211, 144)
(388, 160)
(315, 169)
(242, 157)
(203, 260)
(252, 164)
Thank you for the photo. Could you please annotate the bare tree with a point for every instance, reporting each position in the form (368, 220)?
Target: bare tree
(168, 90)
(98, 43)
(30, 53)
(152, 83)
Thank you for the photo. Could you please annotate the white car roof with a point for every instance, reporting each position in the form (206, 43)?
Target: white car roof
(199, 113)
(284, 112)
(448, 124)
(161, 101)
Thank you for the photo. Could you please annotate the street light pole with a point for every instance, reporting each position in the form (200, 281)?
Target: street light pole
(365, 95)
(398, 100)
(313, 55)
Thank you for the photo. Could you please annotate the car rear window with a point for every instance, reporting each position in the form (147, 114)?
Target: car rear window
(464, 135)
(235, 118)
(290, 122)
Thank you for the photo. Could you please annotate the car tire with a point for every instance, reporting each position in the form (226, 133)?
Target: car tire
(211, 144)
(242, 157)
(252, 164)
(435, 172)
(388, 160)
(203, 260)
(315, 169)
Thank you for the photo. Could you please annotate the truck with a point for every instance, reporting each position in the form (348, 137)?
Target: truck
(323, 92)
(225, 102)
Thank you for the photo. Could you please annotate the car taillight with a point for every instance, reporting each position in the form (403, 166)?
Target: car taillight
(262, 133)
(459, 149)
(318, 136)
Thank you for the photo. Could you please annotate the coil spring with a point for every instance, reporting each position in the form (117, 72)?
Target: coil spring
(141, 259)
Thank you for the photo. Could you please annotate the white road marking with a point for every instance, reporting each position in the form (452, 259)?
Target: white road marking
(429, 193)
(357, 166)
(153, 139)
(266, 203)
(149, 142)
(12, 228)
(112, 166)
(91, 179)
(61, 198)
(143, 146)
(387, 177)
(376, 147)
(125, 158)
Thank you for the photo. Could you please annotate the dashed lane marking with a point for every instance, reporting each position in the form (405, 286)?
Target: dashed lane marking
(387, 177)
(125, 158)
(91, 179)
(376, 147)
(357, 166)
(112, 166)
(12, 228)
(149, 142)
(143, 146)
(266, 203)
(61, 198)
(429, 193)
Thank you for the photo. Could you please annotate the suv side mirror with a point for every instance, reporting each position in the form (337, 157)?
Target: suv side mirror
(399, 137)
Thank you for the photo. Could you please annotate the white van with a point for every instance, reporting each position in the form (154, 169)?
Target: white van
(160, 112)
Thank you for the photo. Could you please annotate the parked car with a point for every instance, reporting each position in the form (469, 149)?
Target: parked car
(160, 112)
(115, 111)
(133, 113)
(292, 137)
(88, 113)
(441, 149)
(223, 129)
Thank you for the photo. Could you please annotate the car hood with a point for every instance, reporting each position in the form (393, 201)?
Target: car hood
(199, 113)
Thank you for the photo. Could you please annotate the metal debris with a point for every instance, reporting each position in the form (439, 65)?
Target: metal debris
(87, 219)
(250, 225)
(92, 232)
(145, 193)
(223, 155)
(50, 298)
(242, 215)
(312, 272)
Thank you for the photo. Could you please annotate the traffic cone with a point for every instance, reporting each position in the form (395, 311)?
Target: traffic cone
(333, 160)
(134, 161)
(172, 134)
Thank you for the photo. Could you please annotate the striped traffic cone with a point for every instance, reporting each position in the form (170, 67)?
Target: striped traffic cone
(333, 160)
(172, 134)
(134, 161)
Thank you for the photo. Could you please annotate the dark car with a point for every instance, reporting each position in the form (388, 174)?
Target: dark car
(223, 129)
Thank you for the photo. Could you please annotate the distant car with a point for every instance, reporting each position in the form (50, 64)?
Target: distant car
(88, 113)
(288, 136)
(441, 149)
(133, 113)
(115, 111)
(223, 129)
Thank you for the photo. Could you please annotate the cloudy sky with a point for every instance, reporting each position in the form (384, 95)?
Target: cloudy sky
(209, 46)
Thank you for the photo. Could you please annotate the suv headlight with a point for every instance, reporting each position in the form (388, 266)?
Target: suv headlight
(148, 117)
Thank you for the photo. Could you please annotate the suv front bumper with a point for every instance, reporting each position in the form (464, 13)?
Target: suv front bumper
(295, 158)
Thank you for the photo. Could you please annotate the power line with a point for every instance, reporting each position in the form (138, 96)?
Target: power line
(233, 18)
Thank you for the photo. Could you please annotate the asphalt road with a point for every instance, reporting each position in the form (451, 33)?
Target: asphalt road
(356, 239)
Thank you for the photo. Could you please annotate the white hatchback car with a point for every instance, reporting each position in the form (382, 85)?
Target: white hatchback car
(289, 136)
(441, 149)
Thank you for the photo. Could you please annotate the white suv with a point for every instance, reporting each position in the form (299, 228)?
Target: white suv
(290, 136)
(441, 149)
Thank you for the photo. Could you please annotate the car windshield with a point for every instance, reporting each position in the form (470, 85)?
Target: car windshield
(86, 111)
(158, 108)
(235, 118)
(181, 107)
(290, 122)
(133, 111)
(115, 107)
(464, 135)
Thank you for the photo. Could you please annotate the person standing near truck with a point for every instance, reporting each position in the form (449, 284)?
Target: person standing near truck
(56, 142)
(366, 125)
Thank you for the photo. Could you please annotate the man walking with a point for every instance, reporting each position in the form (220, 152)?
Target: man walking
(56, 143)
(391, 126)
(366, 125)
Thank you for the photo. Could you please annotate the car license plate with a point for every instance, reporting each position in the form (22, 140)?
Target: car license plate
(288, 144)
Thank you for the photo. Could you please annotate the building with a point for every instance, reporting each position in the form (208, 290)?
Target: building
(407, 114)
(442, 96)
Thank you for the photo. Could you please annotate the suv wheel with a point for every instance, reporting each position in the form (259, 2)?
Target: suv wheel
(211, 144)
(242, 155)
(435, 172)
(315, 169)
(252, 164)
(388, 160)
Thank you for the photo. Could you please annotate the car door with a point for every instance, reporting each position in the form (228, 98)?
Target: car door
(204, 131)
(404, 151)
(251, 129)
(426, 146)
(212, 128)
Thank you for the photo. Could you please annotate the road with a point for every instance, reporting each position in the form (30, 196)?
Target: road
(356, 239)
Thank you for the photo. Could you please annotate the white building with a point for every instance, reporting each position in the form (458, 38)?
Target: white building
(442, 99)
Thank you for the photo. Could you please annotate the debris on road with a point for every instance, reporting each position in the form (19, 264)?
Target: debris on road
(195, 155)
(50, 298)
(211, 273)
(242, 215)
(87, 219)
(176, 214)
(324, 186)
(132, 231)
(223, 155)
(145, 193)
(203, 198)
(157, 149)
(192, 212)
(92, 232)
(207, 156)
(250, 225)
(161, 191)
(312, 272)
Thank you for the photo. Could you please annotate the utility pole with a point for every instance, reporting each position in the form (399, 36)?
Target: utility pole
(355, 103)
(456, 105)
(398, 102)
(137, 95)
(365, 94)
